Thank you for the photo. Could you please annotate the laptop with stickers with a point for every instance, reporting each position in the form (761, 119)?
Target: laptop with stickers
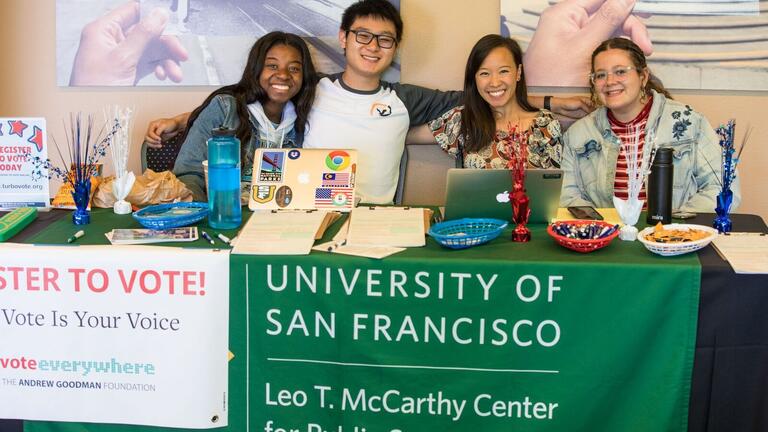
(303, 179)
(484, 193)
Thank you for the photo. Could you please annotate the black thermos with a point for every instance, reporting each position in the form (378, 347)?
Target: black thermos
(659, 191)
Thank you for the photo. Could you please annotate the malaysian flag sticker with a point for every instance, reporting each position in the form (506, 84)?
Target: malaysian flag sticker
(336, 179)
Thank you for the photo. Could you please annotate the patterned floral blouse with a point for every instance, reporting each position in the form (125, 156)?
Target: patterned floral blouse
(545, 144)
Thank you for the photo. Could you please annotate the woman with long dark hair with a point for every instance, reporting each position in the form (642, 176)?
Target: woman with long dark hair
(495, 110)
(633, 106)
(268, 107)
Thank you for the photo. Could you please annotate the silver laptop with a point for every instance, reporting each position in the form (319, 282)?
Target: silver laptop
(303, 179)
(484, 193)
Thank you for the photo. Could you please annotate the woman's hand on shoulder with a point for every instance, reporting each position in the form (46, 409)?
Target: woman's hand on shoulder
(421, 134)
(164, 128)
(573, 107)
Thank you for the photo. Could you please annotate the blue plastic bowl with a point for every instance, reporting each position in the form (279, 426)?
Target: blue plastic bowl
(467, 232)
(174, 215)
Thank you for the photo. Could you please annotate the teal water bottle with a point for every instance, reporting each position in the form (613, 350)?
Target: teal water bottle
(224, 210)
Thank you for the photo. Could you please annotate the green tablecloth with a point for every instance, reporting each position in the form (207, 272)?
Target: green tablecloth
(614, 349)
(103, 221)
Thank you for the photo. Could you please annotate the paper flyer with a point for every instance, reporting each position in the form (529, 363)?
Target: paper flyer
(21, 184)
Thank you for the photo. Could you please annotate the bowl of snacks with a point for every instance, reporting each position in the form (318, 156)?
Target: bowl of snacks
(676, 239)
(582, 235)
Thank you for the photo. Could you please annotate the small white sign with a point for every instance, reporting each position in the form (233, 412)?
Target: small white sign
(22, 182)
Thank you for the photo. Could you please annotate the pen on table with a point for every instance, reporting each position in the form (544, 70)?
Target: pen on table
(207, 237)
(223, 238)
(335, 246)
(75, 236)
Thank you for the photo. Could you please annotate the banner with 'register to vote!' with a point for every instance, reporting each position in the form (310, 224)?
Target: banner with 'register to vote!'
(133, 335)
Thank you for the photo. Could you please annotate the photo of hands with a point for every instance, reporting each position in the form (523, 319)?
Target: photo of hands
(704, 44)
(185, 42)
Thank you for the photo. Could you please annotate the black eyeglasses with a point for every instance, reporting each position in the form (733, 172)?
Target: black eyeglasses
(365, 37)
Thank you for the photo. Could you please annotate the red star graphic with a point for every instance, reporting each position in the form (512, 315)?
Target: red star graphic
(37, 138)
(17, 127)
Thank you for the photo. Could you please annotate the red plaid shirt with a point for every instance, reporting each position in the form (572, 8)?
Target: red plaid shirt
(626, 133)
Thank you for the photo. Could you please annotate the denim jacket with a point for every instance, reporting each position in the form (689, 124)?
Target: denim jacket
(591, 151)
(222, 110)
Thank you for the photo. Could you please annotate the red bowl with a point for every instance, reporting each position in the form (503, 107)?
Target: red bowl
(582, 245)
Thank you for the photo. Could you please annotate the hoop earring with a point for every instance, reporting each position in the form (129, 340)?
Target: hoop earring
(643, 97)
(596, 102)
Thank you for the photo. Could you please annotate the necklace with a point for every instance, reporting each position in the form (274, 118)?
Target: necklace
(508, 124)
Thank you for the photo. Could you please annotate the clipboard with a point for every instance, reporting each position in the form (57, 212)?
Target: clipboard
(279, 233)
(389, 226)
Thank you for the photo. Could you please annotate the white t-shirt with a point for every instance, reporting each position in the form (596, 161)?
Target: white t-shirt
(375, 124)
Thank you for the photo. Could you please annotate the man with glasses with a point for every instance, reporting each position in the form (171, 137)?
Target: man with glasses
(357, 109)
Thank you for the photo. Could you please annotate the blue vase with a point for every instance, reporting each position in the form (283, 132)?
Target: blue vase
(723, 219)
(82, 195)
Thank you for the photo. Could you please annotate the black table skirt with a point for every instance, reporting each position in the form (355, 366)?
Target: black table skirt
(730, 372)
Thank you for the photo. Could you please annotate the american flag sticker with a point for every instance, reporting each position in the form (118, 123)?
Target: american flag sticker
(333, 197)
(335, 179)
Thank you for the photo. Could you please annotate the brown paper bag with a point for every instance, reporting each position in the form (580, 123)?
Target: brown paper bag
(149, 188)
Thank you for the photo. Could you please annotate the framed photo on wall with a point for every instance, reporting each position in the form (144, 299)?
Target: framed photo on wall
(187, 42)
(690, 44)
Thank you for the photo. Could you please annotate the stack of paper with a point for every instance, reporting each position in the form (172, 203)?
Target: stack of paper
(279, 232)
(378, 232)
(339, 245)
(387, 226)
(746, 252)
